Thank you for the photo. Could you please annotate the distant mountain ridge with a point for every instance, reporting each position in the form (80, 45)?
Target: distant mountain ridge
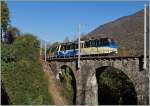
(127, 31)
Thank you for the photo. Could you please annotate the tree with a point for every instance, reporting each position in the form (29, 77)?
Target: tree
(4, 19)
(22, 74)
(66, 40)
(12, 33)
(54, 47)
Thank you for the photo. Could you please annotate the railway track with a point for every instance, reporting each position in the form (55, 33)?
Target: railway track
(90, 57)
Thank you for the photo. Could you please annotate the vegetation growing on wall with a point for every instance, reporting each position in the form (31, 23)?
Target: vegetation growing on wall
(114, 87)
(69, 84)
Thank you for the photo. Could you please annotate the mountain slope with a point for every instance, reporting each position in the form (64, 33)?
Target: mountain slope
(126, 31)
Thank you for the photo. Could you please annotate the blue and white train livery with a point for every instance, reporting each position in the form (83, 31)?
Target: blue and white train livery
(87, 47)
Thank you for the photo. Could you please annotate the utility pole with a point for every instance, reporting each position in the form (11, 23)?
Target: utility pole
(145, 33)
(45, 51)
(41, 48)
(79, 46)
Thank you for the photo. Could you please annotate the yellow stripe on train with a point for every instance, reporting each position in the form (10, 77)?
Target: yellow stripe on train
(99, 50)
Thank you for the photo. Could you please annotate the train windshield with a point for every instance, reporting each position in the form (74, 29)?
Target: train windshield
(68, 46)
(97, 43)
(113, 43)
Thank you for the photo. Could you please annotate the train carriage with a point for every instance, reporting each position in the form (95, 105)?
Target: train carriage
(87, 47)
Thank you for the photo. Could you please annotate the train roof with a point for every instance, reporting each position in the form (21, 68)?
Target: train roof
(67, 43)
(76, 42)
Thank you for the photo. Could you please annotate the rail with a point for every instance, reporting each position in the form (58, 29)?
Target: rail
(89, 57)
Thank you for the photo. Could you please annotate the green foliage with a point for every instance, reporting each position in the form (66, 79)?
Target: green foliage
(38, 100)
(52, 49)
(117, 86)
(54, 46)
(12, 33)
(66, 82)
(4, 15)
(22, 73)
(4, 19)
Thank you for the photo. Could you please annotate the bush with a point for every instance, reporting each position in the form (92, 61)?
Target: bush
(22, 73)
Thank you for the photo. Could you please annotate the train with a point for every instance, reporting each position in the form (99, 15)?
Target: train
(87, 47)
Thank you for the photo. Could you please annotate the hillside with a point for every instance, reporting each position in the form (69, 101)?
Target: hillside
(127, 31)
(22, 74)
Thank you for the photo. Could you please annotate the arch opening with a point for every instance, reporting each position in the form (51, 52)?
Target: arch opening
(68, 82)
(114, 87)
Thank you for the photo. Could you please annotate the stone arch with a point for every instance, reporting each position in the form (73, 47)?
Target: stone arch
(92, 89)
(126, 91)
(73, 81)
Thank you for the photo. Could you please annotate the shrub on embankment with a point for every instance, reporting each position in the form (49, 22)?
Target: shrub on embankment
(22, 73)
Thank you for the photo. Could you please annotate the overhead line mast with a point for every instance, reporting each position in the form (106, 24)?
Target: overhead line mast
(45, 51)
(145, 34)
(79, 46)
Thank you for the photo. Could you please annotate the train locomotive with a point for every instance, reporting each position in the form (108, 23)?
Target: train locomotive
(87, 47)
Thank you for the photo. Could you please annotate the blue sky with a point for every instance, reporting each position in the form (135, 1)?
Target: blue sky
(53, 21)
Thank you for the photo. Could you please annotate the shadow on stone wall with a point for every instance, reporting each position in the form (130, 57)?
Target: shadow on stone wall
(69, 75)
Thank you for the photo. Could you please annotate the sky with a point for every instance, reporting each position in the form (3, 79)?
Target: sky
(54, 21)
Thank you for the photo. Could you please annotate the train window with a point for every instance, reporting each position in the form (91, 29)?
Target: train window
(76, 46)
(86, 44)
(82, 45)
(68, 47)
(104, 42)
(107, 43)
(95, 43)
(101, 42)
(71, 46)
(92, 43)
(62, 48)
(89, 43)
(98, 42)
(65, 47)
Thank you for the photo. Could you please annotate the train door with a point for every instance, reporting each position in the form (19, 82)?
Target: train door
(81, 47)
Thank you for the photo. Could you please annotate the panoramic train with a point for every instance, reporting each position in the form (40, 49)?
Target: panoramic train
(87, 47)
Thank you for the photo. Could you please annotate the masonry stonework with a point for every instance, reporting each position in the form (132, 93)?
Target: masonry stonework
(86, 81)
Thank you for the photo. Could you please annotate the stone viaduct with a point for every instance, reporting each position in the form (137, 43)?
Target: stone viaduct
(86, 82)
